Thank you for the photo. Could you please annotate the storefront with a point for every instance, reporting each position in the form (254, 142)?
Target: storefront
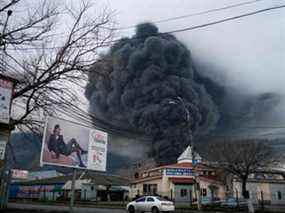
(89, 186)
(176, 181)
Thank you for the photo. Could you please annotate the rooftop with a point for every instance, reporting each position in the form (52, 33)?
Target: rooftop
(187, 156)
(93, 177)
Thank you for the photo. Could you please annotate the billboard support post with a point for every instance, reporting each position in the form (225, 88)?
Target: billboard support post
(72, 195)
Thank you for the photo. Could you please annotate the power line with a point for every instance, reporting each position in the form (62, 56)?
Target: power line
(228, 19)
(195, 14)
(265, 127)
(180, 17)
(106, 44)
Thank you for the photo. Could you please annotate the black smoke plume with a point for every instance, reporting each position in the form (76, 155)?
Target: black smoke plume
(148, 84)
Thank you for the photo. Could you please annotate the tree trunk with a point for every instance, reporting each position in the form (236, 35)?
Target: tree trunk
(244, 191)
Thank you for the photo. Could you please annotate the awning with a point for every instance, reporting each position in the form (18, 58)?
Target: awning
(182, 180)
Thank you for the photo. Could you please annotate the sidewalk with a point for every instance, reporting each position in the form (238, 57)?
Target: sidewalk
(14, 207)
(58, 208)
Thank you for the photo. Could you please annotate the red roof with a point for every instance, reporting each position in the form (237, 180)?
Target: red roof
(182, 180)
(178, 165)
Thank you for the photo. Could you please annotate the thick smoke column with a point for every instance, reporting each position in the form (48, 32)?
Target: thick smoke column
(147, 82)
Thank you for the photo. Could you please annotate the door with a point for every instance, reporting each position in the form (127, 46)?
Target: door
(149, 203)
(140, 203)
(183, 193)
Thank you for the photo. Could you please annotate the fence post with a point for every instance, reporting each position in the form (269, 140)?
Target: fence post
(237, 199)
(190, 197)
(262, 200)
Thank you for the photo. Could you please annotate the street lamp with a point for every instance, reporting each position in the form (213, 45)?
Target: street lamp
(196, 186)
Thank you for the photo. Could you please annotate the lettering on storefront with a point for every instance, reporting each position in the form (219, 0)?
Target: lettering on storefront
(179, 172)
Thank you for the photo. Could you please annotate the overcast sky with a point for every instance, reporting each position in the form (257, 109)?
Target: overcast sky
(248, 53)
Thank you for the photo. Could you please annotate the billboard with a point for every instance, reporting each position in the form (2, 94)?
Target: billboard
(19, 174)
(2, 148)
(6, 88)
(72, 145)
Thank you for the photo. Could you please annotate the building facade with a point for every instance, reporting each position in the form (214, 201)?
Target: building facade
(177, 181)
(89, 186)
(266, 188)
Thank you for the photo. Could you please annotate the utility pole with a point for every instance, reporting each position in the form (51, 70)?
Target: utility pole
(6, 87)
(196, 184)
(72, 195)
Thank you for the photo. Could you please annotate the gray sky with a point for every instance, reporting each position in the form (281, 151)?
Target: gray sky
(248, 53)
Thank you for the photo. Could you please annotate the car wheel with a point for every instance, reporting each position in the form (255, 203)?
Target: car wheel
(131, 209)
(154, 210)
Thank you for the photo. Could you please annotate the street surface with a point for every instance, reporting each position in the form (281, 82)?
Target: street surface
(29, 208)
(54, 208)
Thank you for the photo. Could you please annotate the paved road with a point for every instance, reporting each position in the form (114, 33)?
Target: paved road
(54, 208)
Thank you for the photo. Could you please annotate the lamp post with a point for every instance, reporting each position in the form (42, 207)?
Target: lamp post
(196, 185)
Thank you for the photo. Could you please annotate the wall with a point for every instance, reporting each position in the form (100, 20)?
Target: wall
(88, 192)
(273, 192)
(137, 189)
(220, 192)
(44, 192)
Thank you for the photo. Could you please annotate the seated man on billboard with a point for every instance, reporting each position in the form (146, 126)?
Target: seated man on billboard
(57, 145)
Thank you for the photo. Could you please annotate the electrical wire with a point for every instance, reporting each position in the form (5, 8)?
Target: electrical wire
(107, 43)
(195, 14)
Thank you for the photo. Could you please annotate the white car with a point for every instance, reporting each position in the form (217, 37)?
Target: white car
(152, 204)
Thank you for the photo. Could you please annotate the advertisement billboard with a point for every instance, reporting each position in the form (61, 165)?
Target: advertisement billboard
(19, 174)
(2, 148)
(6, 88)
(72, 145)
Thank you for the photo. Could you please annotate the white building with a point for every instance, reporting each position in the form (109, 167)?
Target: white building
(176, 181)
(267, 187)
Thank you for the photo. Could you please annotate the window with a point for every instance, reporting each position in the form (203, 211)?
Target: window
(279, 195)
(183, 193)
(140, 200)
(150, 189)
(145, 188)
(204, 192)
(150, 199)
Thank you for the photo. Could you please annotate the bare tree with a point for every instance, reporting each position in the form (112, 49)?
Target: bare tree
(49, 50)
(241, 157)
